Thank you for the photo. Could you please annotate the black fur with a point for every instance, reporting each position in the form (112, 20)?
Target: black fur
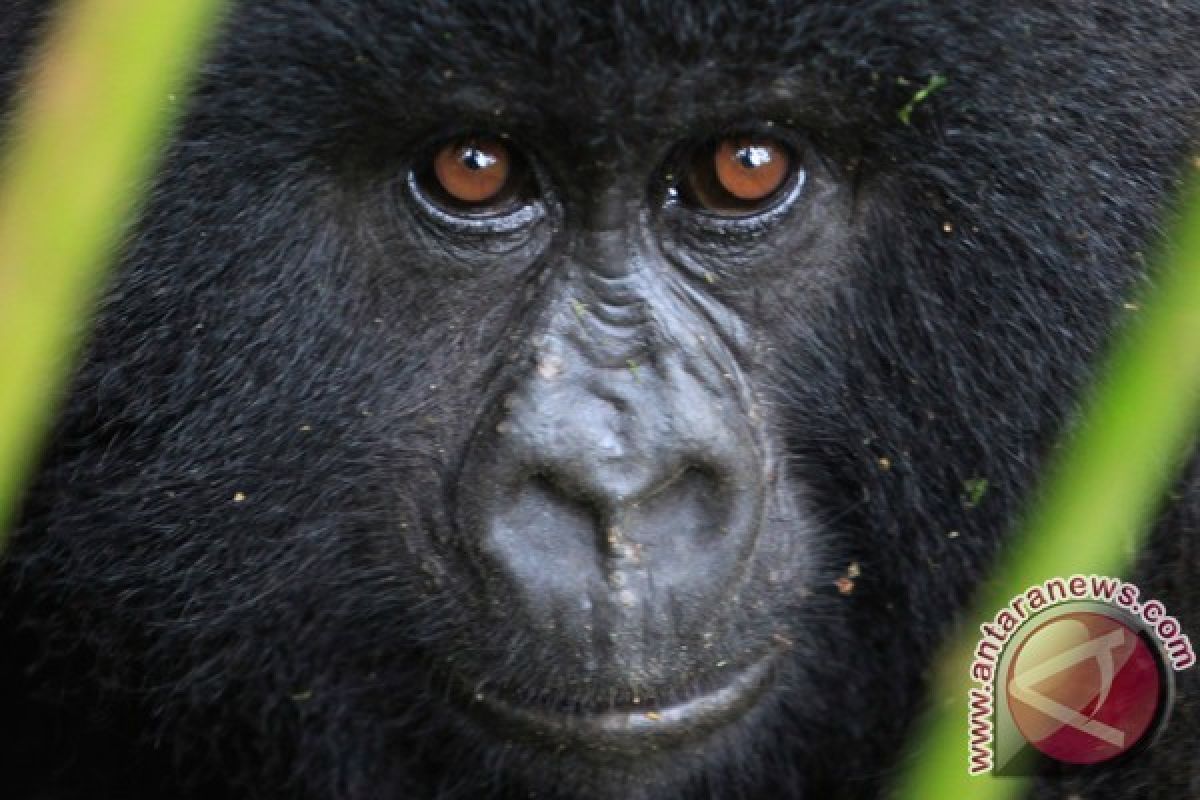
(212, 592)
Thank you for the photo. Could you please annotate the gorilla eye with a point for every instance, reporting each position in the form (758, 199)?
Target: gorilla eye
(475, 176)
(737, 176)
(472, 171)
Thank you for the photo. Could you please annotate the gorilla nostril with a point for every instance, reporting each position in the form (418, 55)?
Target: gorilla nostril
(691, 499)
(690, 505)
(686, 480)
(551, 532)
(543, 537)
(555, 496)
(554, 490)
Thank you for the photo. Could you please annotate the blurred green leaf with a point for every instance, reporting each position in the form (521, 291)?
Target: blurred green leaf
(81, 149)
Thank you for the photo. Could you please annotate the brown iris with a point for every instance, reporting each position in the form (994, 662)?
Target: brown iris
(474, 171)
(738, 176)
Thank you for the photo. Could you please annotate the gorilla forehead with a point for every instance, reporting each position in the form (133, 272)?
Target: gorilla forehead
(637, 66)
(320, 72)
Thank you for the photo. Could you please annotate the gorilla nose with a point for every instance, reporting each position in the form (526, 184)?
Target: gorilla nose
(598, 458)
(661, 501)
(596, 492)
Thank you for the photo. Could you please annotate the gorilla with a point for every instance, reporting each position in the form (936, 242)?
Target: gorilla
(600, 401)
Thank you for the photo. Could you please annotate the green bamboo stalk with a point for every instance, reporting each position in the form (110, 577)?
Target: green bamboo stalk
(82, 147)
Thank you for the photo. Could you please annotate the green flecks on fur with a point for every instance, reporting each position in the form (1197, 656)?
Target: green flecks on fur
(975, 489)
(920, 96)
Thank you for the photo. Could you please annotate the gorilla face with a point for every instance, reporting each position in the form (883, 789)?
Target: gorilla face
(619, 534)
(619, 502)
(527, 400)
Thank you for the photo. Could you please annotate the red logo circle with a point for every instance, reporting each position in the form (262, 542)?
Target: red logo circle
(1084, 687)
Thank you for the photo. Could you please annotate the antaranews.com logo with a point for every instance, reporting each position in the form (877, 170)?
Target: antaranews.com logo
(1076, 669)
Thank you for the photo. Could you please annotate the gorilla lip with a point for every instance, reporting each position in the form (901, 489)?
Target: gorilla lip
(621, 730)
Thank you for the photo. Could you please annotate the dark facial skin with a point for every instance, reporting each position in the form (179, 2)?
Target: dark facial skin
(458, 425)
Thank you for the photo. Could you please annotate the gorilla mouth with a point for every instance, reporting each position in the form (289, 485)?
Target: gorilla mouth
(620, 730)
